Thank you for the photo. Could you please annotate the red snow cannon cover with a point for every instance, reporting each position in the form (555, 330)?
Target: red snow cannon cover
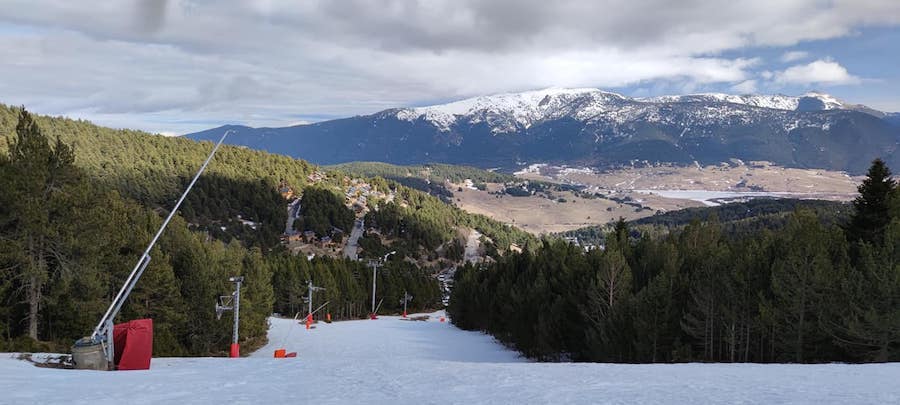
(133, 342)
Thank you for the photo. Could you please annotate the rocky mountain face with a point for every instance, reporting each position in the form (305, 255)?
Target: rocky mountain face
(597, 128)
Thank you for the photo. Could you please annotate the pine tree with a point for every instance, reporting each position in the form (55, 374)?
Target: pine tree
(258, 293)
(799, 277)
(868, 324)
(35, 177)
(872, 208)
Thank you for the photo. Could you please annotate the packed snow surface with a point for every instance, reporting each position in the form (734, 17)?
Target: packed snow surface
(392, 361)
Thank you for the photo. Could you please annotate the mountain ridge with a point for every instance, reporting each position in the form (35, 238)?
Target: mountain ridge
(596, 128)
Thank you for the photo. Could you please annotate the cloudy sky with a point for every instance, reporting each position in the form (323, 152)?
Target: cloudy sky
(179, 66)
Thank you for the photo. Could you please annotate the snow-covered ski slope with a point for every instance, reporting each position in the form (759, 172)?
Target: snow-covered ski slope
(391, 361)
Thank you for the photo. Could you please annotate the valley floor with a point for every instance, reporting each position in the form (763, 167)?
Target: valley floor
(429, 362)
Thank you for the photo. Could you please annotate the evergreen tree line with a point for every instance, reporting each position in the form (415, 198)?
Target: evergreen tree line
(218, 202)
(71, 229)
(153, 169)
(435, 172)
(811, 291)
(736, 219)
(322, 210)
(348, 286)
(68, 243)
(425, 223)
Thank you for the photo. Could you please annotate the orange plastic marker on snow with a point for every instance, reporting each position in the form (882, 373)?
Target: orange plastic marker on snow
(442, 319)
(280, 353)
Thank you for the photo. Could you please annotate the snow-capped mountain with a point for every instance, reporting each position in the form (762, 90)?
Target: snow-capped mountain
(506, 112)
(512, 111)
(776, 102)
(595, 127)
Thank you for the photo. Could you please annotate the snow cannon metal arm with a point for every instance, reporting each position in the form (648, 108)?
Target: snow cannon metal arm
(103, 331)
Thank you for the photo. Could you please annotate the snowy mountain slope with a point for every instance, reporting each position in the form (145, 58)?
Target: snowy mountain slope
(596, 128)
(394, 361)
(504, 112)
(776, 102)
(586, 104)
(893, 118)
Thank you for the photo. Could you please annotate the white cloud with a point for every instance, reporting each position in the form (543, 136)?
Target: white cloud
(745, 87)
(821, 72)
(181, 65)
(793, 56)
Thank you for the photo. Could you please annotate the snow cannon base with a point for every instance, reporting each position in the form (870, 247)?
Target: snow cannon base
(89, 355)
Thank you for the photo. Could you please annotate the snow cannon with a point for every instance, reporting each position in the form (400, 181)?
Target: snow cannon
(405, 300)
(102, 339)
(132, 346)
(309, 314)
(233, 303)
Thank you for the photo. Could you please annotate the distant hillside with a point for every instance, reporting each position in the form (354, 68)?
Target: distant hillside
(737, 218)
(426, 178)
(435, 172)
(596, 128)
(154, 169)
